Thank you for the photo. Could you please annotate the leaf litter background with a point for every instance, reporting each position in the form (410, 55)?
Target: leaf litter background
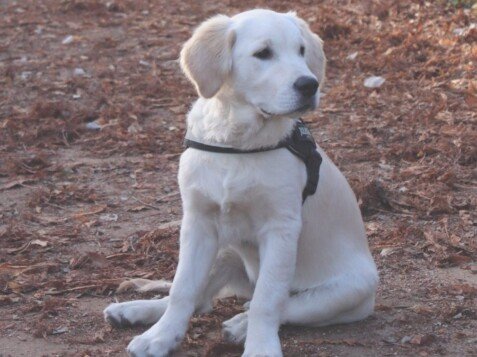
(92, 113)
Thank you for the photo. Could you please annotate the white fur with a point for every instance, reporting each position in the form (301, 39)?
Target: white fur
(245, 230)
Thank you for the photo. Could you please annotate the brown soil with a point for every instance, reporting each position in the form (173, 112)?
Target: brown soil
(81, 210)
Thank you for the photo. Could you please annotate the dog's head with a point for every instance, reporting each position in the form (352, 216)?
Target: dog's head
(269, 60)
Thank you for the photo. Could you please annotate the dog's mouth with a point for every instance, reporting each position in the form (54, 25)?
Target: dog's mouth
(265, 113)
(300, 110)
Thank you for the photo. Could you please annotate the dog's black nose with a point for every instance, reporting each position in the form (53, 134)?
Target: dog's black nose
(307, 86)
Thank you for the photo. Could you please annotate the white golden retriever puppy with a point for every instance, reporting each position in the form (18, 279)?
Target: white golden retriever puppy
(245, 230)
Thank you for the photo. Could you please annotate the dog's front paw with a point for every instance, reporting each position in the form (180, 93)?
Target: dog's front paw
(263, 353)
(259, 346)
(145, 346)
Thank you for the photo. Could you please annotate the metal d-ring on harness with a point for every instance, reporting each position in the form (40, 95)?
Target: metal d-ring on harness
(300, 143)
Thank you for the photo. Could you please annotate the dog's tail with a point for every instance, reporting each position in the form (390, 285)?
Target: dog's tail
(145, 285)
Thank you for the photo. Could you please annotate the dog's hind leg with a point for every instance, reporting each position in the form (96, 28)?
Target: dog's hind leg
(341, 300)
(344, 299)
(229, 274)
(228, 270)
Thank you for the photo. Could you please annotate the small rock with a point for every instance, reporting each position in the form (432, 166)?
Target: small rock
(80, 72)
(405, 339)
(67, 40)
(93, 126)
(352, 56)
(25, 75)
(109, 217)
(464, 32)
(390, 340)
(59, 330)
(172, 224)
(388, 251)
(39, 242)
(374, 82)
(134, 128)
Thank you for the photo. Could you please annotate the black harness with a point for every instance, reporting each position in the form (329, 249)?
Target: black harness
(300, 143)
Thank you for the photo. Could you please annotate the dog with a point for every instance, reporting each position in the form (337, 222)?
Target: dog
(245, 229)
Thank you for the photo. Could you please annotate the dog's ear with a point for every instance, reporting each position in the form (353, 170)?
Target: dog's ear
(314, 55)
(206, 57)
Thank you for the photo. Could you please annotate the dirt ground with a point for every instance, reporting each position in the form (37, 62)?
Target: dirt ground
(92, 114)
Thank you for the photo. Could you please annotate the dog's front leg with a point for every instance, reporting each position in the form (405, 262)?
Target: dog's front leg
(278, 248)
(198, 250)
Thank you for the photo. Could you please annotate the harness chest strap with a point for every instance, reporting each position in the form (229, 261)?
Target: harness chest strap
(300, 143)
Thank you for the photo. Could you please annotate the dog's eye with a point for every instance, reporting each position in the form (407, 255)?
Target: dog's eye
(302, 50)
(264, 54)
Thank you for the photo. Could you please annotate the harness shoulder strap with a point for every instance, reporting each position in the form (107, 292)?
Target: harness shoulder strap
(302, 144)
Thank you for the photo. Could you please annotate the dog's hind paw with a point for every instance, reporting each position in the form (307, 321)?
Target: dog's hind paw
(138, 312)
(235, 329)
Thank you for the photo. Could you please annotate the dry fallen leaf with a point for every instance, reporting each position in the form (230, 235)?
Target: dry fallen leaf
(471, 267)
(138, 208)
(38, 242)
(422, 340)
(15, 183)
(145, 285)
(462, 289)
(94, 210)
(89, 260)
(422, 309)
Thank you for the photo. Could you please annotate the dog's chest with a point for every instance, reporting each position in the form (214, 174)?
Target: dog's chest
(241, 192)
(235, 196)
